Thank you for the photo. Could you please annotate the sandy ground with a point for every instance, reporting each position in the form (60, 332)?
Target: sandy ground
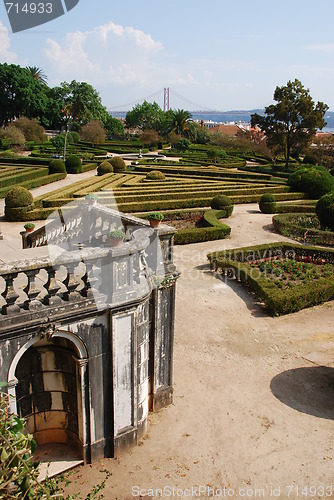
(253, 395)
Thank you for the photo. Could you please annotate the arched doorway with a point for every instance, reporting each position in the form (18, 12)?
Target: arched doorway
(47, 378)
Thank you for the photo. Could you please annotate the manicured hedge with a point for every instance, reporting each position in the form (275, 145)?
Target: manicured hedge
(215, 230)
(22, 175)
(286, 225)
(35, 183)
(234, 263)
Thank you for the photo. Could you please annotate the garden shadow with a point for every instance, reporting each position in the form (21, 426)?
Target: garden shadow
(308, 390)
(253, 303)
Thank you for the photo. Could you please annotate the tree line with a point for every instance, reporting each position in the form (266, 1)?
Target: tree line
(289, 126)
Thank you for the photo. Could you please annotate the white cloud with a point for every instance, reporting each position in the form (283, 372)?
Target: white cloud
(5, 54)
(327, 48)
(107, 54)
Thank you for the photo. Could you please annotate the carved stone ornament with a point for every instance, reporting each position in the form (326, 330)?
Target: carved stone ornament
(46, 331)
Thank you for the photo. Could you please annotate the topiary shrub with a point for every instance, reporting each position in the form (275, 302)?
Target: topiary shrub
(325, 210)
(223, 203)
(313, 180)
(18, 197)
(118, 163)
(105, 168)
(267, 203)
(73, 165)
(17, 203)
(57, 167)
(155, 175)
(309, 160)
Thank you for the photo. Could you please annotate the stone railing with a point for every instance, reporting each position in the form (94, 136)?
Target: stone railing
(88, 225)
(82, 279)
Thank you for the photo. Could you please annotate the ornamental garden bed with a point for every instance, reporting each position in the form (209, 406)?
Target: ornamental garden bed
(303, 227)
(286, 277)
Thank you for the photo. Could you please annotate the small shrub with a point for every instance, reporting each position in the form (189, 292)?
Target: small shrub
(223, 203)
(155, 216)
(117, 234)
(93, 132)
(13, 136)
(267, 203)
(118, 163)
(57, 167)
(313, 180)
(73, 165)
(182, 145)
(17, 203)
(105, 168)
(18, 197)
(73, 137)
(309, 160)
(325, 210)
(31, 129)
(155, 175)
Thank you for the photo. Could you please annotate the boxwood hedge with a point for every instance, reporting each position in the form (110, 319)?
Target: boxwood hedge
(235, 264)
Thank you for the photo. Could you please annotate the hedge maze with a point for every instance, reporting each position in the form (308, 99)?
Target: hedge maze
(26, 176)
(178, 192)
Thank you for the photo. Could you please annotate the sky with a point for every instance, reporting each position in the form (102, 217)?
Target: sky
(213, 55)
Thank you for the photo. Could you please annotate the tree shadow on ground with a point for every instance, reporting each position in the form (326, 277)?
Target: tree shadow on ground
(253, 211)
(253, 303)
(308, 390)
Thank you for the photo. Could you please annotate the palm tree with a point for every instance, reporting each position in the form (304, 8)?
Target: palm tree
(178, 121)
(38, 74)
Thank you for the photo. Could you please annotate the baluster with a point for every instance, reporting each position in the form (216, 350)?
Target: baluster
(71, 283)
(90, 279)
(52, 287)
(10, 295)
(32, 291)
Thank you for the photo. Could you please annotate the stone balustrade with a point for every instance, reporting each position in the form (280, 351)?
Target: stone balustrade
(88, 277)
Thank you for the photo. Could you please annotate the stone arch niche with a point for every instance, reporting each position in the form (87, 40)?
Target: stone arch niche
(47, 379)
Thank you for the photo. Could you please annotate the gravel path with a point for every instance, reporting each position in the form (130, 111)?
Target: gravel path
(254, 396)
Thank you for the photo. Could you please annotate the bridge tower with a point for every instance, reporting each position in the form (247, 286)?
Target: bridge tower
(166, 99)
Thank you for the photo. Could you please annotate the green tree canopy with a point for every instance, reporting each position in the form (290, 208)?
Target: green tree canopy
(290, 124)
(38, 74)
(146, 116)
(20, 94)
(179, 121)
(114, 126)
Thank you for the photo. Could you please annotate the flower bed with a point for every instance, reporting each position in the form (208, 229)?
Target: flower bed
(286, 277)
(303, 227)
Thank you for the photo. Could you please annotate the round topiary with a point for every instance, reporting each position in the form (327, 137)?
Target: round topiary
(105, 168)
(222, 203)
(118, 163)
(73, 164)
(313, 180)
(17, 203)
(18, 197)
(57, 167)
(309, 160)
(267, 203)
(155, 175)
(325, 210)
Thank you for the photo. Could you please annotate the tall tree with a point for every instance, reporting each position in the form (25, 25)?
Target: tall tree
(20, 94)
(80, 101)
(146, 116)
(291, 124)
(178, 122)
(38, 74)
